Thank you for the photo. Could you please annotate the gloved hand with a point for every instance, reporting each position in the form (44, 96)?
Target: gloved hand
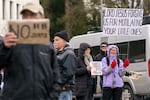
(113, 64)
(126, 63)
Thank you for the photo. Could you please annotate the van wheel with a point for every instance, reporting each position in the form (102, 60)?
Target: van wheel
(127, 93)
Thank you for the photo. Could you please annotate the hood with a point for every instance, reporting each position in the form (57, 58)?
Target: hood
(83, 47)
(110, 47)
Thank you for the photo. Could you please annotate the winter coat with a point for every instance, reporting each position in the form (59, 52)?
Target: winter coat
(99, 56)
(83, 78)
(112, 77)
(67, 63)
(31, 72)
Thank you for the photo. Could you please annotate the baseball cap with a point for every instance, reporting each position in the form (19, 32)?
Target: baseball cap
(104, 44)
(33, 7)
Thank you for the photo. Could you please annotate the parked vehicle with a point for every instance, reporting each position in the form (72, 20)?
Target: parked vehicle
(136, 49)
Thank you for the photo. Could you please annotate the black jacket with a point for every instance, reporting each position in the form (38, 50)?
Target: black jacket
(31, 72)
(84, 81)
(67, 63)
(99, 56)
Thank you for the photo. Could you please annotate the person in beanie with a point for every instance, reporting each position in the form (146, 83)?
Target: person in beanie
(84, 87)
(113, 73)
(31, 71)
(67, 63)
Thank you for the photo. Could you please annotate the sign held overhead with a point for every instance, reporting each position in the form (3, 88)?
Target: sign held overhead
(123, 22)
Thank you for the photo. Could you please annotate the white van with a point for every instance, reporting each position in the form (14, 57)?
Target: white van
(136, 48)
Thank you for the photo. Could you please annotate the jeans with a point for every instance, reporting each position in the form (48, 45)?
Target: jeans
(65, 95)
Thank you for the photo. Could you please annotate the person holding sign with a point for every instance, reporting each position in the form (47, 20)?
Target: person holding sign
(31, 70)
(112, 74)
(85, 83)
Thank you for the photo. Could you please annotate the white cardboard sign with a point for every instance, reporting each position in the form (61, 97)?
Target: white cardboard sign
(96, 68)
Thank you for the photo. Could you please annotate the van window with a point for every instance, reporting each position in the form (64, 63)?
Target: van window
(133, 50)
(137, 51)
(123, 50)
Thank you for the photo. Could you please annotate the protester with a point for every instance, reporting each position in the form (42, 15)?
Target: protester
(67, 63)
(98, 57)
(85, 83)
(103, 51)
(31, 71)
(112, 74)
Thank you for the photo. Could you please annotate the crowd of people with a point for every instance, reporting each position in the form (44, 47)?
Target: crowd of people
(53, 71)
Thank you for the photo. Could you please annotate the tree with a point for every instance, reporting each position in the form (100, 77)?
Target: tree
(66, 15)
(75, 18)
(54, 10)
(93, 13)
(129, 4)
(146, 6)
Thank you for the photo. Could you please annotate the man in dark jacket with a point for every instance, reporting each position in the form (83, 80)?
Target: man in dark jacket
(103, 51)
(98, 57)
(31, 71)
(67, 62)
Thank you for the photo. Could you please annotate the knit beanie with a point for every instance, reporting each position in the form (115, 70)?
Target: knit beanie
(62, 34)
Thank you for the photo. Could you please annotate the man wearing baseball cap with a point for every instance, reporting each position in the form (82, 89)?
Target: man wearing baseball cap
(32, 10)
(31, 70)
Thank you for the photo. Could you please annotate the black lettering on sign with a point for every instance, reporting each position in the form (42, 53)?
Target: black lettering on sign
(123, 31)
(39, 35)
(16, 32)
(44, 26)
(111, 31)
(36, 26)
(25, 32)
(20, 31)
(40, 26)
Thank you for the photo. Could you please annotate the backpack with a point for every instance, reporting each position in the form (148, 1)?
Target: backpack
(108, 62)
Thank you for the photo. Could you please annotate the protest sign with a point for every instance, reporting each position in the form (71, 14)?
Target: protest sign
(96, 68)
(35, 31)
(123, 22)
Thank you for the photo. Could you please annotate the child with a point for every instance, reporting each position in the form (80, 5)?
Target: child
(112, 74)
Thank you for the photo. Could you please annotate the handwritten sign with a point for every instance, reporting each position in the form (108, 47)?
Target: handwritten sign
(123, 22)
(96, 68)
(31, 31)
